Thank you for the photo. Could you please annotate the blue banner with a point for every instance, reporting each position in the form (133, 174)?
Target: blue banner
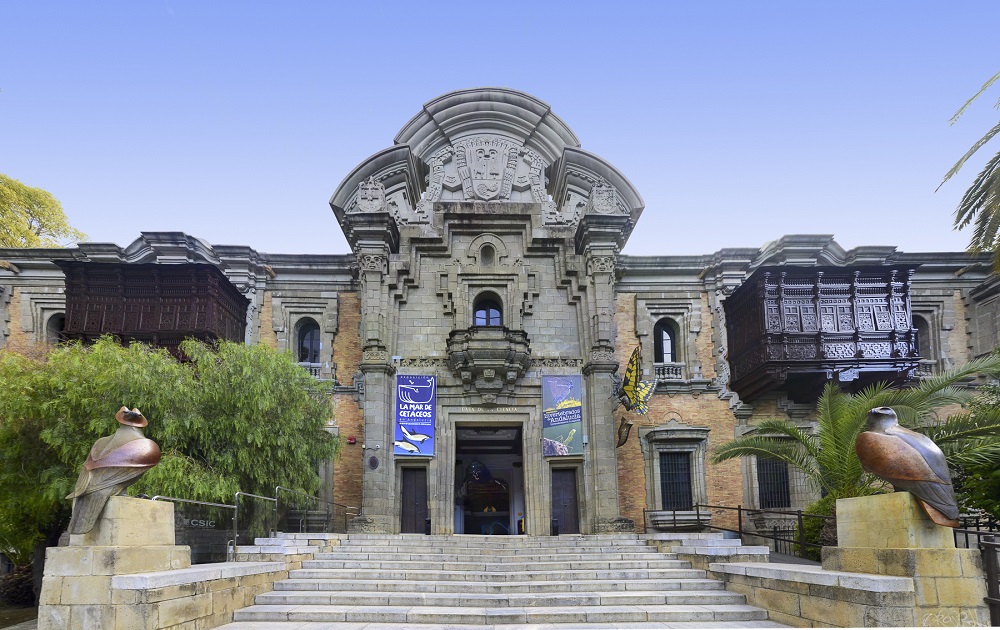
(562, 415)
(415, 402)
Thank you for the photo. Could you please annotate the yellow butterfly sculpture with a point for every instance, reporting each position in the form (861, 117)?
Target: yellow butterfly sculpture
(632, 392)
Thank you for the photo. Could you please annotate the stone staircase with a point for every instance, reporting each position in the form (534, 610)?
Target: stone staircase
(377, 582)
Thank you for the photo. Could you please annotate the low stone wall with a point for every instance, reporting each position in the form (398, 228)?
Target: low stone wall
(806, 596)
(203, 596)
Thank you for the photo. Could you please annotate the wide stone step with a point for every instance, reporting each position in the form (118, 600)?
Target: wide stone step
(533, 556)
(406, 565)
(363, 625)
(488, 616)
(450, 586)
(501, 600)
(500, 576)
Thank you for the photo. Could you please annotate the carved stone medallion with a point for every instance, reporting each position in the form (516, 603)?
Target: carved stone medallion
(371, 196)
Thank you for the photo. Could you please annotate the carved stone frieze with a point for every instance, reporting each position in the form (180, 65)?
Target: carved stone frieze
(556, 362)
(423, 362)
(374, 356)
(603, 356)
(486, 168)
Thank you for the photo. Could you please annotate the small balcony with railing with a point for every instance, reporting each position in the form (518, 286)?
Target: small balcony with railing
(669, 372)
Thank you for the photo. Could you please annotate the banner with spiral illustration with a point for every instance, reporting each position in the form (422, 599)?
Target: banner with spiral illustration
(562, 415)
(414, 415)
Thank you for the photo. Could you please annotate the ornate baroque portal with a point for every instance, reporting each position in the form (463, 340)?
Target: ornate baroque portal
(486, 192)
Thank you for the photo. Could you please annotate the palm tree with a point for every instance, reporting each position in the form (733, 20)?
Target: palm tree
(981, 202)
(826, 455)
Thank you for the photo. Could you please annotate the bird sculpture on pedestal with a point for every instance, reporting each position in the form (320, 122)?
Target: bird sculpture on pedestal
(911, 462)
(115, 462)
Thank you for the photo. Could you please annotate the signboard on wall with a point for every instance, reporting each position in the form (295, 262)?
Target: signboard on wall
(415, 402)
(562, 415)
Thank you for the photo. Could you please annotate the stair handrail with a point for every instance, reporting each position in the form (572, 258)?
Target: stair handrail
(346, 508)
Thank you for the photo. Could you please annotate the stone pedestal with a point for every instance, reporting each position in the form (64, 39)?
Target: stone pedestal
(131, 536)
(890, 534)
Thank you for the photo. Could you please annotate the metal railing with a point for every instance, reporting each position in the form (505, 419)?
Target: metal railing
(259, 520)
(205, 533)
(986, 542)
(310, 514)
(794, 543)
(312, 368)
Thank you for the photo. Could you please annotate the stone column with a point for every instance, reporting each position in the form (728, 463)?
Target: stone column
(599, 239)
(374, 236)
(890, 534)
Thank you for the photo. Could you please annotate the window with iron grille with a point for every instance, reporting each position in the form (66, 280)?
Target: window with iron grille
(675, 480)
(772, 484)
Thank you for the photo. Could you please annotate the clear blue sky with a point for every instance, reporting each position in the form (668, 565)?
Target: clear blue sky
(738, 122)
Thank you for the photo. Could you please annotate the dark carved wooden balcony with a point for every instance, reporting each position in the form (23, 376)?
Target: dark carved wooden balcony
(159, 304)
(795, 328)
(489, 358)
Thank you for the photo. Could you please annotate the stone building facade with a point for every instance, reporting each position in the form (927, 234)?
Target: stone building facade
(485, 277)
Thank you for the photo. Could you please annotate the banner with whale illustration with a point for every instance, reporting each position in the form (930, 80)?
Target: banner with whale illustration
(415, 402)
(562, 415)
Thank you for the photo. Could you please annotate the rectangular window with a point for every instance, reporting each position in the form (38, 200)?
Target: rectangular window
(772, 484)
(675, 480)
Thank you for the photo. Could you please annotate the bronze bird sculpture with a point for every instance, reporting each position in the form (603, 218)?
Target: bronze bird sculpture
(911, 462)
(115, 462)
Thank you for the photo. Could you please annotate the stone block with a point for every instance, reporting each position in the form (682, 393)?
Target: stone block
(51, 590)
(93, 616)
(961, 592)
(125, 560)
(69, 561)
(138, 616)
(889, 521)
(127, 521)
(83, 590)
(53, 617)
(176, 611)
(779, 601)
(888, 616)
(836, 613)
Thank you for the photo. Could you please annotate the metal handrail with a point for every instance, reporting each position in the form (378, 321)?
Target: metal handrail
(989, 547)
(740, 510)
(348, 510)
(236, 516)
(160, 497)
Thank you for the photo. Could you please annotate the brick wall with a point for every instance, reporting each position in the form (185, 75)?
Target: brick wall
(724, 483)
(267, 335)
(19, 341)
(348, 468)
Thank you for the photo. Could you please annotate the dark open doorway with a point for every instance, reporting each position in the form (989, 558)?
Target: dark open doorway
(489, 480)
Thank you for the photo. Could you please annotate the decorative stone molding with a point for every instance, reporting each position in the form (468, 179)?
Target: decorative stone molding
(675, 436)
(603, 200)
(424, 362)
(373, 262)
(486, 168)
(600, 264)
(555, 362)
(489, 360)
(371, 196)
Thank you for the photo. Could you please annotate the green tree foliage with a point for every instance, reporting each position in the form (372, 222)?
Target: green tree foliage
(980, 205)
(32, 217)
(827, 456)
(234, 417)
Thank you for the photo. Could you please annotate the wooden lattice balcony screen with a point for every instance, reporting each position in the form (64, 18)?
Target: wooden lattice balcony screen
(159, 304)
(797, 327)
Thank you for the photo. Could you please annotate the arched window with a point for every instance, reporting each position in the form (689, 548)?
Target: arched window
(308, 341)
(487, 311)
(664, 346)
(487, 255)
(55, 328)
